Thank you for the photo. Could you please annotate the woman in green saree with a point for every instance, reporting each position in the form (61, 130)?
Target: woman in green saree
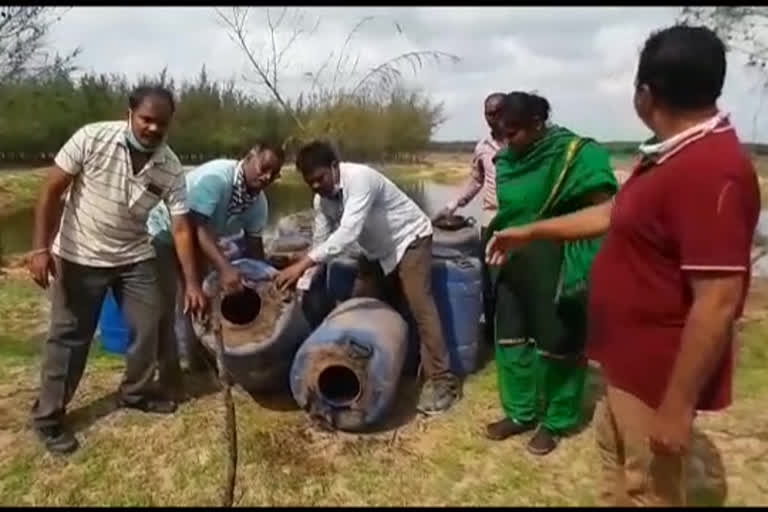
(544, 171)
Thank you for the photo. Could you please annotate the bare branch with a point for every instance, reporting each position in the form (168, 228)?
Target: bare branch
(316, 76)
(268, 73)
(23, 53)
(342, 53)
(272, 30)
(744, 29)
(387, 74)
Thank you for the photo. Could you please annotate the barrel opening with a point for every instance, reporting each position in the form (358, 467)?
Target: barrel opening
(338, 385)
(242, 307)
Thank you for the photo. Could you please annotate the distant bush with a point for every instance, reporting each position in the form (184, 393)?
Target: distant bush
(213, 119)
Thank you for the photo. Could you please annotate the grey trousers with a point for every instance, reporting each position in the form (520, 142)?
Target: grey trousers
(76, 298)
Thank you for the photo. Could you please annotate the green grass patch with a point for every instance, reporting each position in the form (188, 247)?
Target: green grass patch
(751, 376)
(24, 323)
(19, 190)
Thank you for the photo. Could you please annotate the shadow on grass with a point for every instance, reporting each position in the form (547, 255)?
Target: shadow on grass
(707, 485)
(84, 417)
(404, 409)
(279, 399)
(196, 385)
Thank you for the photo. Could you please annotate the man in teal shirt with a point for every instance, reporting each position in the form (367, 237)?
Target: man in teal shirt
(224, 197)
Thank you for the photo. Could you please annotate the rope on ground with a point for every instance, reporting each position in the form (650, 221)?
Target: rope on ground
(230, 427)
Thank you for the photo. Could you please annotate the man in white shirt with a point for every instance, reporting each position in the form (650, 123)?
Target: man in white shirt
(355, 203)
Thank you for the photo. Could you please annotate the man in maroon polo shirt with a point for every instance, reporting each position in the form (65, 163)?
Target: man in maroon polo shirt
(672, 274)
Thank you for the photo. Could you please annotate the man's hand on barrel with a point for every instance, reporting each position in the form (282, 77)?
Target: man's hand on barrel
(445, 212)
(231, 279)
(288, 276)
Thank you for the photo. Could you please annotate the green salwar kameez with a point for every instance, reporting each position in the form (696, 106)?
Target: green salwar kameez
(540, 310)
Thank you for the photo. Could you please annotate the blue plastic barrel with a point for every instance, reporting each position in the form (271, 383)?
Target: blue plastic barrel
(457, 287)
(340, 275)
(345, 375)
(116, 336)
(233, 246)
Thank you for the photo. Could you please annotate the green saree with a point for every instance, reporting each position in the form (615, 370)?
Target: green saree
(540, 306)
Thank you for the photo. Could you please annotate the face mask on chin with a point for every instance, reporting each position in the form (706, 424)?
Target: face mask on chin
(130, 137)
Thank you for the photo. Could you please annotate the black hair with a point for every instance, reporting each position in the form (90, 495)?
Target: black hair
(523, 109)
(268, 145)
(683, 66)
(314, 155)
(140, 93)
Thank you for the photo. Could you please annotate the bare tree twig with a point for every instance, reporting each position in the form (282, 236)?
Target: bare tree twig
(238, 34)
(739, 26)
(23, 45)
(377, 83)
(386, 74)
(342, 53)
(272, 31)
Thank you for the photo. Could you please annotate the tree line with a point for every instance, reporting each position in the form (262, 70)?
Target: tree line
(38, 114)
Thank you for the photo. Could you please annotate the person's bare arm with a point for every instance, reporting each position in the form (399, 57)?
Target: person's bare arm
(207, 240)
(469, 190)
(184, 240)
(47, 218)
(229, 276)
(49, 207)
(715, 300)
(590, 222)
(705, 337)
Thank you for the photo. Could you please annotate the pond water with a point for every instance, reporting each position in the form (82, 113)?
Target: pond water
(284, 198)
(291, 196)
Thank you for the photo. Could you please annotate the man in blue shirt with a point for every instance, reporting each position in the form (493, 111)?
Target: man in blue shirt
(224, 197)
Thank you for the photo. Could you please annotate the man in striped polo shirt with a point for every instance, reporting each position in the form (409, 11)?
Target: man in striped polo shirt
(483, 175)
(114, 173)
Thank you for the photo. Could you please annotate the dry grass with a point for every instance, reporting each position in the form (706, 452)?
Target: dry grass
(130, 458)
(18, 189)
